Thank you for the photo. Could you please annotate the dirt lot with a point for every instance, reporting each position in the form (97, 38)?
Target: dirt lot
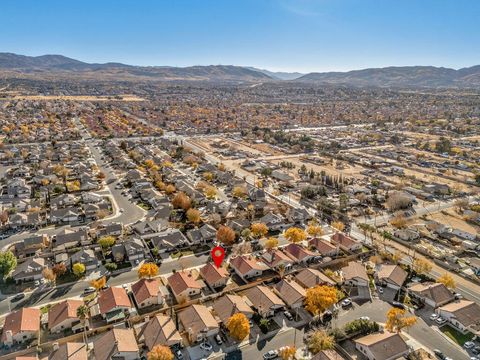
(455, 221)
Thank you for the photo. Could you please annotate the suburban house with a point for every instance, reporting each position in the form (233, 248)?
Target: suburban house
(198, 322)
(247, 267)
(228, 305)
(86, 257)
(116, 344)
(70, 351)
(382, 346)
(202, 235)
(298, 215)
(30, 270)
(432, 294)
(168, 240)
(213, 276)
(31, 246)
(184, 285)
(274, 258)
(310, 278)
(328, 355)
(264, 300)
(63, 316)
(324, 247)
(355, 274)
(393, 276)
(131, 250)
(68, 238)
(298, 253)
(146, 292)
(65, 215)
(159, 330)
(113, 303)
(292, 293)
(345, 242)
(21, 326)
(463, 315)
(274, 222)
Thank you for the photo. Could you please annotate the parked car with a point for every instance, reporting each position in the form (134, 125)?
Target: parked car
(469, 345)
(366, 318)
(433, 317)
(272, 354)
(439, 354)
(397, 304)
(206, 346)
(218, 339)
(18, 297)
(346, 302)
(458, 296)
(89, 290)
(380, 290)
(179, 354)
(440, 320)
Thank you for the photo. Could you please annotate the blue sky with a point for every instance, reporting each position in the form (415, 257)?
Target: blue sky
(289, 35)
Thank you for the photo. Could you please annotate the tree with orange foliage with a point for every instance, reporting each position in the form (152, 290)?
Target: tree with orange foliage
(259, 230)
(396, 320)
(181, 201)
(288, 352)
(49, 275)
(295, 235)
(99, 284)
(338, 225)
(320, 298)
(170, 189)
(225, 235)
(147, 270)
(160, 352)
(238, 326)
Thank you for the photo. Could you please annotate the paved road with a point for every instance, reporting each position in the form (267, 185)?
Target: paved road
(421, 332)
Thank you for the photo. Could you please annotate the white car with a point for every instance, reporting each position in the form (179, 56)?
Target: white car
(206, 346)
(346, 302)
(433, 317)
(440, 320)
(469, 345)
(366, 318)
(380, 290)
(272, 354)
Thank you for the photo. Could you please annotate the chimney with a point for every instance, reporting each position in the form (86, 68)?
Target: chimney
(9, 337)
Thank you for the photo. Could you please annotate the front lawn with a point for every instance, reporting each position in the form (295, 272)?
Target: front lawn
(179, 254)
(456, 335)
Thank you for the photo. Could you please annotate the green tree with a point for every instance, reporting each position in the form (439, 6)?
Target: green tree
(8, 262)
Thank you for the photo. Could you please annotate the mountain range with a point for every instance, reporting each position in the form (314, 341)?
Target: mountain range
(405, 76)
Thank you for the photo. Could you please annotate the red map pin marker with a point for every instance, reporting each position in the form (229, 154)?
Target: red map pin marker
(218, 254)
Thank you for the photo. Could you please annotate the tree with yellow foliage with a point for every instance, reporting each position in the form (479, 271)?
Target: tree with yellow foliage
(447, 280)
(208, 176)
(295, 235)
(319, 340)
(239, 192)
(160, 185)
(288, 352)
(396, 320)
(169, 189)
(210, 192)
(271, 243)
(338, 225)
(258, 230)
(193, 215)
(238, 326)
(398, 221)
(160, 352)
(314, 230)
(319, 298)
(421, 266)
(147, 270)
(78, 269)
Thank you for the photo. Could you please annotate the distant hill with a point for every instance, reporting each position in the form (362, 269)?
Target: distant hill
(406, 76)
(64, 66)
(279, 75)
(58, 66)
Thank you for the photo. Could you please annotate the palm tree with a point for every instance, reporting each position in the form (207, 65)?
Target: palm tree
(82, 314)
